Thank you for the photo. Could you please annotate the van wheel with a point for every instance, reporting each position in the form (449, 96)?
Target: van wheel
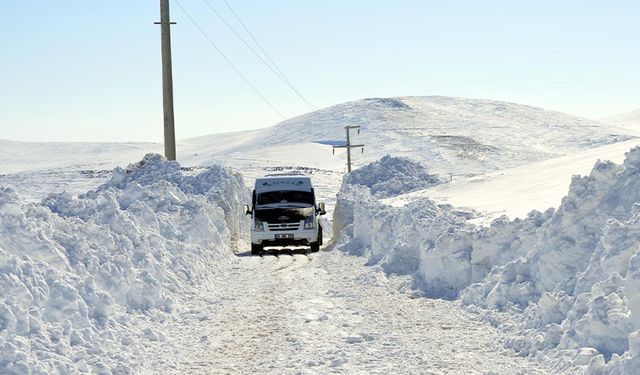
(256, 249)
(315, 246)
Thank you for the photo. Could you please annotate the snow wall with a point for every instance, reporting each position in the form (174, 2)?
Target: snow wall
(565, 283)
(75, 271)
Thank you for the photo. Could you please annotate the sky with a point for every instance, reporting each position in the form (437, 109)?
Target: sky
(78, 70)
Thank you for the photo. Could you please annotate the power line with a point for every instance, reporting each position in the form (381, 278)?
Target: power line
(213, 44)
(279, 72)
(273, 67)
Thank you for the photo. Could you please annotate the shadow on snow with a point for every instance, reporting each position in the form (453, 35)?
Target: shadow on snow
(277, 251)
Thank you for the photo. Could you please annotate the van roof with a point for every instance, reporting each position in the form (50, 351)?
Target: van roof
(275, 183)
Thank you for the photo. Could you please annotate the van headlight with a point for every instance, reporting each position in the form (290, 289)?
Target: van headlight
(308, 223)
(259, 225)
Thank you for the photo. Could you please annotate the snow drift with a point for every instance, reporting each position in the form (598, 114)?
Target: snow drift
(392, 176)
(435, 242)
(567, 280)
(76, 271)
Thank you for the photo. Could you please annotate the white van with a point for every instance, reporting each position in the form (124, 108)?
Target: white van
(284, 212)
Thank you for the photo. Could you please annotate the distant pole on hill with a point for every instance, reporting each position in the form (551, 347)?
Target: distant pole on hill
(349, 146)
(167, 81)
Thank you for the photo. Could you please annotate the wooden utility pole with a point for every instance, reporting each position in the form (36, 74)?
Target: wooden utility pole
(167, 81)
(349, 146)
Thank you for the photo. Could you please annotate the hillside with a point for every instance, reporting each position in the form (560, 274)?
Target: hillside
(450, 135)
(516, 191)
(629, 120)
(463, 137)
(18, 157)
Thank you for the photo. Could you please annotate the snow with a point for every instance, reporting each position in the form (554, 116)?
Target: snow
(563, 282)
(145, 269)
(629, 120)
(139, 275)
(77, 270)
(447, 135)
(18, 157)
(516, 191)
(392, 176)
(325, 313)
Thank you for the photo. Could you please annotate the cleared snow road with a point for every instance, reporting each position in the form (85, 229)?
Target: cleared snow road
(323, 313)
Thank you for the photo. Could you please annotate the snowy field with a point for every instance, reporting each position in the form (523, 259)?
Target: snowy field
(516, 191)
(145, 268)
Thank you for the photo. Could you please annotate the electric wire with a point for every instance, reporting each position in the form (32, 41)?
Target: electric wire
(215, 46)
(235, 14)
(271, 65)
(252, 37)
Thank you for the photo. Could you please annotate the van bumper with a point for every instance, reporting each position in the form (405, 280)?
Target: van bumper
(301, 237)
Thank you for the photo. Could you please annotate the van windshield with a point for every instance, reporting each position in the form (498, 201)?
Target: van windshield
(286, 196)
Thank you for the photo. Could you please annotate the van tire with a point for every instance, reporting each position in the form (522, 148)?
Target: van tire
(256, 249)
(315, 246)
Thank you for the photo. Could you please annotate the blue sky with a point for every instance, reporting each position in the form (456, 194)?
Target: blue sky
(78, 70)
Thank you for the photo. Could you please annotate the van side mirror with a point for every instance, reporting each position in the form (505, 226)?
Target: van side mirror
(321, 209)
(247, 211)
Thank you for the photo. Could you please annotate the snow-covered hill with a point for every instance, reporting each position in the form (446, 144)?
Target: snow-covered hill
(16, 157)
(449, 135)
(629, 120)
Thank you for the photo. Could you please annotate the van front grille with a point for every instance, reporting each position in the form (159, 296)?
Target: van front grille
(283, 227)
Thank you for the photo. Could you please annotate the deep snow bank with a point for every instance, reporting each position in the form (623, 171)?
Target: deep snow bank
(75, 271)
(392, 176)
(435, 242)
(566, 281)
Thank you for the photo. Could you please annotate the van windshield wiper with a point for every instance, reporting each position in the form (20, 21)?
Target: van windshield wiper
(285, 205)
(297, 204)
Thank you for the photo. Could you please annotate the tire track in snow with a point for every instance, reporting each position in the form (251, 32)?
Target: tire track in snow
(299, 260)
(326, 313)
(283, 262)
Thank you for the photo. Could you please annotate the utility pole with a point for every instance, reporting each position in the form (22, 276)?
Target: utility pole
(167, 82)
(349, 146)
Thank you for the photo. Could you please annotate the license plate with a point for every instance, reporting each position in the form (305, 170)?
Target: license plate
(284, 236)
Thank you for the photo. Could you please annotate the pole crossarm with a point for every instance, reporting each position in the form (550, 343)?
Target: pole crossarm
(349, 146)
